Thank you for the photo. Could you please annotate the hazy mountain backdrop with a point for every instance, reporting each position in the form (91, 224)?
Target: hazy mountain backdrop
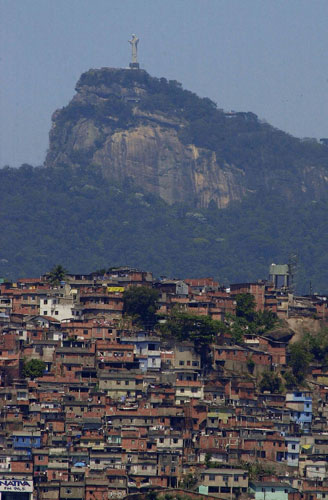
(142, 172)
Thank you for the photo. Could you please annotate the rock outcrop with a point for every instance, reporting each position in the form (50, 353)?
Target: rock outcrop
(118, 121)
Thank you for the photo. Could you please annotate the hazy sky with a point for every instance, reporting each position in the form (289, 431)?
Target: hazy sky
(265, 56)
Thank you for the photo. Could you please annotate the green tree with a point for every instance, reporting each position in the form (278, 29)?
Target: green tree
(140, 302)
(56, 275)
(33, 368)
(238, 327)
(188, 482)
(257, 470)
(201, 330)
(317, 345)
(247, 320)
(208, 457)
(299, 360)
(245, 307)
(290, 380)
(265, 320)
(250, 365)
(271, 382)
(151, 495)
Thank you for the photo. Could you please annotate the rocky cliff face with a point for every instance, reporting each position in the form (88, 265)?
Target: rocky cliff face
(136, 128)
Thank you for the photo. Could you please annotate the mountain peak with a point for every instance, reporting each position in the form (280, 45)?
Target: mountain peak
(170, 142)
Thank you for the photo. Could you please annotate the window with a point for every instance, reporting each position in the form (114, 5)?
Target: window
(56, 313)
(195, 363)
(273, 490)
(181, 363)
(293, 447)
(45, 313)
(211, 477)
(236, 478)
(175, 440)
(45, 301)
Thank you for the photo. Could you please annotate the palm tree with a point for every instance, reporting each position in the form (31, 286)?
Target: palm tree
(57, 274)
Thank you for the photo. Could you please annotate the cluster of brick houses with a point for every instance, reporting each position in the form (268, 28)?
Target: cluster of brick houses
(120, 411)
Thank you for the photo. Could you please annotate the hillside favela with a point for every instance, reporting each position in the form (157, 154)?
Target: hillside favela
(164, 302)
(117, 383)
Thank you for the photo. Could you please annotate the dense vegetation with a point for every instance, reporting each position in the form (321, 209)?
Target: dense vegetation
(247, 320)
(310, 349)
(33, 368)
(201, 330)
(77, 218)
(56, 275)
(140, 303)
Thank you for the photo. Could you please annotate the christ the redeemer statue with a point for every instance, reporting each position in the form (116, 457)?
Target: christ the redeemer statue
(134, 45)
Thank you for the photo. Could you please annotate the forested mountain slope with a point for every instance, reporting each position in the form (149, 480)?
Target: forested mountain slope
(74, 217)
